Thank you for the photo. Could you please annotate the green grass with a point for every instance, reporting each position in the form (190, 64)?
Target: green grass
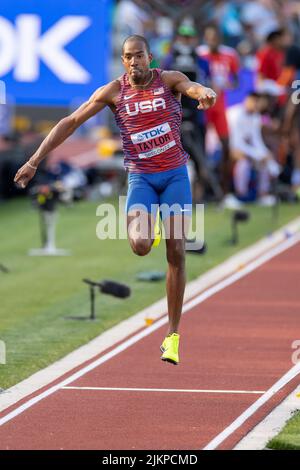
(38, 293)
(289, 437)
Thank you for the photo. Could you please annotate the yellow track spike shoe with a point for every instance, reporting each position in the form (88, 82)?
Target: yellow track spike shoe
(169, 348)
(157, 230)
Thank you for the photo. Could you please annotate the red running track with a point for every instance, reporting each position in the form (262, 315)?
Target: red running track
(238, 339)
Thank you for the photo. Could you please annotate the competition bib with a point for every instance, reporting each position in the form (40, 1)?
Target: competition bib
(153, 141)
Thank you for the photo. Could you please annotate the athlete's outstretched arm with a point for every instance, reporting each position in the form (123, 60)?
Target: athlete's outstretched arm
(65, 127)
(180, 83)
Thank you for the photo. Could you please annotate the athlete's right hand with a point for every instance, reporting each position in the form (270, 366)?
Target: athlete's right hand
(207, 98)
(24, 175)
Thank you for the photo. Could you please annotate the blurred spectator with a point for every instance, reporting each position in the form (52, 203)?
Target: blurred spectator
(183, 57)
(254, 165)
(291, 69)
(271, 59)
(6, 115)
(161, 39)
(131, 17)
(263, 16)
(291, 118)
(224, 67)
(226, 15)
(292, 134)
(247, 48)
(291, 10)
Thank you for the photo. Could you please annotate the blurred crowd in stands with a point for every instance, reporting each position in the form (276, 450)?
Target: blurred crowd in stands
(244, 149)
(247, 147)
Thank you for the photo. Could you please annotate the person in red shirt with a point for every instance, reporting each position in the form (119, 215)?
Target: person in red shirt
(224, 66)
(270, 67)
(271, 56)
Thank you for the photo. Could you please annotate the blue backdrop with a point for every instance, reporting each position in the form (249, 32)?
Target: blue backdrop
(54, 51)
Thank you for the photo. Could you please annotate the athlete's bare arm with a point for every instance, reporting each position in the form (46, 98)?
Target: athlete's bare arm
(104, 96)
(178, 82)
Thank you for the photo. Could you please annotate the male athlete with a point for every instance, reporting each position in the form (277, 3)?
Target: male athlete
(147, 108)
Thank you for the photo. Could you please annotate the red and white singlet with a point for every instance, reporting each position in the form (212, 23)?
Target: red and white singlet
(149, 121)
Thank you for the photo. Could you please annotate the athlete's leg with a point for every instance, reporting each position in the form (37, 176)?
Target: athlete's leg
(142, 202)
(140, 231)
(176, 275)
(176, 205)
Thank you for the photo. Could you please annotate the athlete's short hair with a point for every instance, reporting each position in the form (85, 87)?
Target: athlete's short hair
(254, 94)
(136, 37)
(275, 34)
(213, 26)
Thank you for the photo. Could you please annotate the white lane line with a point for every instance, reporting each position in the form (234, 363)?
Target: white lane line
(271, 425)
(120, 332)
(122, 389)
(137, 337)
(214, 443)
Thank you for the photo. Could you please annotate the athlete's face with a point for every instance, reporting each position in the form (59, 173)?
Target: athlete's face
(136, 60)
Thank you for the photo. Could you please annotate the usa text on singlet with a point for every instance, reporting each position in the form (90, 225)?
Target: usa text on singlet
(149, 121)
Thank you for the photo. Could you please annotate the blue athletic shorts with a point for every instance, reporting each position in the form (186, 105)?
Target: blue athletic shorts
(169, 190)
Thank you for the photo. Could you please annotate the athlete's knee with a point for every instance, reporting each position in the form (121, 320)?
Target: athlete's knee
(140, 247)
(176, 253)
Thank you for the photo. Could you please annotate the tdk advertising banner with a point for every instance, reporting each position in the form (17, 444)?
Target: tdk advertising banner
(55, 51)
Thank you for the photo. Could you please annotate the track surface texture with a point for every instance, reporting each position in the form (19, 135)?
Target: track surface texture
(238, 340)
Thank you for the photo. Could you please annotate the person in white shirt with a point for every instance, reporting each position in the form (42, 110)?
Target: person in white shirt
(131, 17)
(249, 151)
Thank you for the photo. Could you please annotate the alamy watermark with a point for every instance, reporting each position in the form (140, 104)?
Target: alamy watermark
(296, 94)
(2, 352)
(177, 222)
(2, 92)
(296, 354)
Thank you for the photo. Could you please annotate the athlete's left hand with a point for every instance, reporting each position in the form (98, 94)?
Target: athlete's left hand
(207, 98)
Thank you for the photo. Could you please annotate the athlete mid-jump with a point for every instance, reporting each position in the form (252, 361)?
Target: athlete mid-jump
(147, 109)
